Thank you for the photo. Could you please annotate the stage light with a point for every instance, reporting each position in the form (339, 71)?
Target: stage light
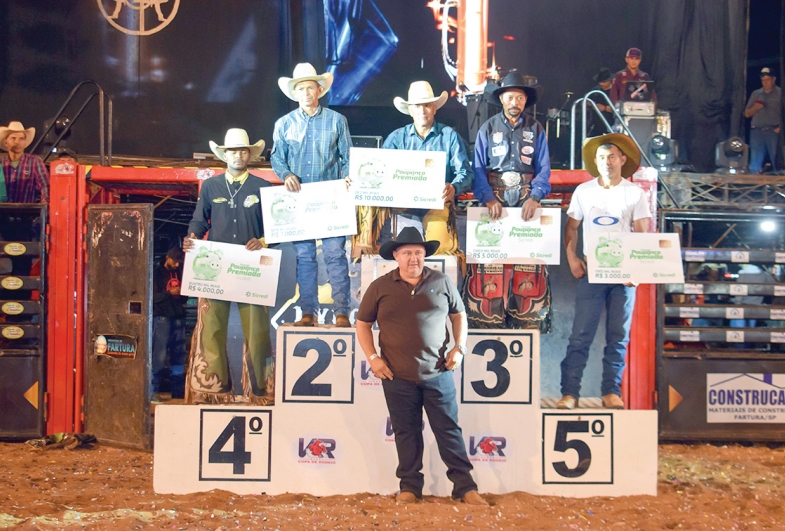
(663, 152)
(732, 156)
(768, 226)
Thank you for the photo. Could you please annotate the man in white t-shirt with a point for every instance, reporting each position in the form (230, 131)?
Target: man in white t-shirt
(609, 203)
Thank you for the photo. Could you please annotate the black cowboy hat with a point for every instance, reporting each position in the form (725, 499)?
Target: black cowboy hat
(603, 75)
(516, 80)
(408, 236)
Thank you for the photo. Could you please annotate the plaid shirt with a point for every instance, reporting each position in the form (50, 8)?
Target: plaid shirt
(28, 182)
(313, 148)
(439, 138)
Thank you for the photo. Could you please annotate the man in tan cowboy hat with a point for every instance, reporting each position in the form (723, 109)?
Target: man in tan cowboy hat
(426, 134)
(228, 210)
(311, 144)
(24, 176)
(512, 168)
(609, 203)
(411, 304)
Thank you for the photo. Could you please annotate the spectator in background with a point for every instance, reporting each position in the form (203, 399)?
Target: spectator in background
(25, 176)
(631, 80)
(604, 79)
(168, 363)
(765, 109)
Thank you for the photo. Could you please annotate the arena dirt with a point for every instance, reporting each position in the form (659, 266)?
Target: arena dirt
(700, 487)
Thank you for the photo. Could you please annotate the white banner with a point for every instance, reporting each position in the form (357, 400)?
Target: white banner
(510, 240)
(229, 272)
(643, 258)
(397, 178)
(745, 398)
(318, 210)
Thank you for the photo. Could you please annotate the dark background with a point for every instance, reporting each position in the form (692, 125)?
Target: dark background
(216, 65)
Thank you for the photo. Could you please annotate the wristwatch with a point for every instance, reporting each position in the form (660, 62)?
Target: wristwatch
(535, 198)
(462, 348)
(373, 356)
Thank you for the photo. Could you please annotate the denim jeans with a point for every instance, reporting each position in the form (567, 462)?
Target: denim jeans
(763, 142)
(618, 301)
(168, 342)
(405, 402)
(337, 273)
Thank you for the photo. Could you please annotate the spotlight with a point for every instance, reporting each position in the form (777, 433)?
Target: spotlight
(732, 156)
(663, 152)
(768, 226)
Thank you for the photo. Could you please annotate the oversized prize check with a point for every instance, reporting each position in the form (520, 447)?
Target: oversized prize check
(510, 240)
(397, 178)
(639, 257)
(229, 272)
(318, 210)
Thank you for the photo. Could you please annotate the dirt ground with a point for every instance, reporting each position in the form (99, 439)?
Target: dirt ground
(104, 488)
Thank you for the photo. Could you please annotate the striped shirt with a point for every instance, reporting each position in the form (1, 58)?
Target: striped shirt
(439, 138)
(28, 182)
(312, 148)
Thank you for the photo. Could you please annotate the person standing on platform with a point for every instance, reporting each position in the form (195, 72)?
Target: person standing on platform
(168, 363)
(228, 210)
(411, 305)
(426, 134)
(765, 109)
(609, 203)
(604, 79)
(512, 168)
(629, 80)
(26, 179)
(311, 144)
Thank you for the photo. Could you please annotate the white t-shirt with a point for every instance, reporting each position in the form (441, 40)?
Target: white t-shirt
(608, 209)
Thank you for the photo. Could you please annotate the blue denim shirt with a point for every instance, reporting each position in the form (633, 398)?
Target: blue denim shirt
(313, 148)
(439, 138)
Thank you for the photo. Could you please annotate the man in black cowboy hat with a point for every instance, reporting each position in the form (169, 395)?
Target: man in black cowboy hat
(411, 304)
(512, 168)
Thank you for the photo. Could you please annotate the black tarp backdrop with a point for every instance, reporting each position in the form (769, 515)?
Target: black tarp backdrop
(216, 65)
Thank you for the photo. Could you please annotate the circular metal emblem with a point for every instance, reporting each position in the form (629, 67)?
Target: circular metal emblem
(11, 283)
(13, 332)
(12, 308)
(511, 178)
(139, 17)
(14, 249)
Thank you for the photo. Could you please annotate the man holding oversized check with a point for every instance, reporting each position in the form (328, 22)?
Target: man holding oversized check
(608, 204)
(312, 146)
(228, 207)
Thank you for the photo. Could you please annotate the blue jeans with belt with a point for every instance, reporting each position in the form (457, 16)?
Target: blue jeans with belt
(168, 342)
(405, 402)
(337, 273)
(618, 301)
(763, 141)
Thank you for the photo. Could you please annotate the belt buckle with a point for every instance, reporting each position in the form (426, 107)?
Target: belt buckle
(511, 178)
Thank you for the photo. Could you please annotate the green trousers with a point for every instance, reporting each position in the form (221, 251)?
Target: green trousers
(209, 378)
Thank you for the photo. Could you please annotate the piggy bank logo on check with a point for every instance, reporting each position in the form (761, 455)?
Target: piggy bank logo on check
(609, 252)
(489, 233)
(207, 264)
(283, 210)
(371, 174)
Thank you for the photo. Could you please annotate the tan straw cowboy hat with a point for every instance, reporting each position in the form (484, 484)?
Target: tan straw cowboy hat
(236, 139)
(420, 92)
(621, 141)
(16, 127)
(304, 72)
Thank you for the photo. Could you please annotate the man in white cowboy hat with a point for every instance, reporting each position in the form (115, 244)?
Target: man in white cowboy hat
(411, 304)
(609, 203)
(228, 211)
(311, 144)
(26, 179)
(512, 168)
(426, 134)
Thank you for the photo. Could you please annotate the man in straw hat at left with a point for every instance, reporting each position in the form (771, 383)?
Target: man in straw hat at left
(426, 134)
(311, 144)
(609, 203)
(228, 210)
(24, 176)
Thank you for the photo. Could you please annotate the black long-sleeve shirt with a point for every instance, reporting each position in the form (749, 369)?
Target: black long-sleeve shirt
(226, 224)
(164, 303)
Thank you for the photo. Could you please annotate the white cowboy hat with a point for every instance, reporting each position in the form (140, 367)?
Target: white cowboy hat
(420, 92)
(304, 72)
(16, 127)
(237, 139)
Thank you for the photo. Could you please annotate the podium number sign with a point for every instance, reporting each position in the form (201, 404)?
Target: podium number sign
(497, 369)
(318, 367)
(234, 445)
(577, 448)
